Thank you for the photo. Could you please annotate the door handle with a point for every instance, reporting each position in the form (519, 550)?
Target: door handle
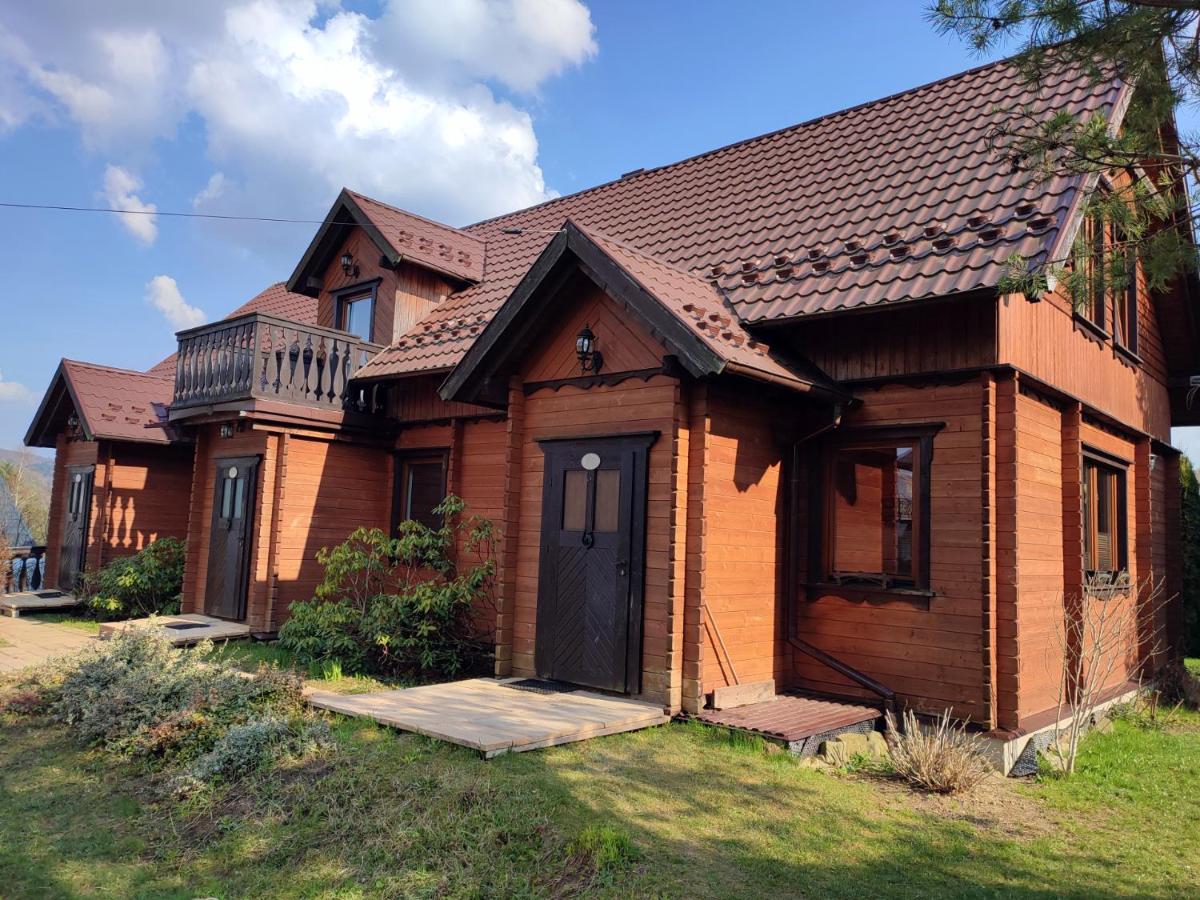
(622, 568)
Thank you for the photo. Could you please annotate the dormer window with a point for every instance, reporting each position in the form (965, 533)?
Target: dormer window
(355, 312)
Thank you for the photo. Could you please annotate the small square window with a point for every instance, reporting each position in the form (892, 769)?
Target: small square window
(1104, 515)
(420, 489)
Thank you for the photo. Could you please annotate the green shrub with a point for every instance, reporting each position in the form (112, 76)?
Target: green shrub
(145, 584)
(137, 696)
(245, 749)
(400, 606)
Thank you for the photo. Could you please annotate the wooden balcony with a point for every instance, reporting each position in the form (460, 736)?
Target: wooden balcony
(259, 360)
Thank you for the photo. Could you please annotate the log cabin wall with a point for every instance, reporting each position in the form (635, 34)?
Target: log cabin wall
(931, 653)
(210, 447)
(743, 618)
(403, 297)
(312, 492)
(1050, 342)
(68, 452)
(938, 337)
(148, 489)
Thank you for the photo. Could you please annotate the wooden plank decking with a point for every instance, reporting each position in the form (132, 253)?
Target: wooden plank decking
(792, 718)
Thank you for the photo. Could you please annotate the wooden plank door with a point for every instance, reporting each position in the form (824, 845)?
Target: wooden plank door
(76, 518)
(590, 576)
(230, 538)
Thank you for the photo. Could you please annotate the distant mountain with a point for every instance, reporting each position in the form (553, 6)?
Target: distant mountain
(43, 465)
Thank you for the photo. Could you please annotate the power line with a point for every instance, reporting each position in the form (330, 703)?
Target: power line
(148, 212)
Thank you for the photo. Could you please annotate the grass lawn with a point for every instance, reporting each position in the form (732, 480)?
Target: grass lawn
(249, 655)
(675, 811)
(67, 619)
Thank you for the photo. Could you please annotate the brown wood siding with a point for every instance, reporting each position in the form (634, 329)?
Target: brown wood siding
(631, 406)
(931, 657)
(927, 338)
(149, 489)
(624, 346)
(404, 296)
(744, 626)
(1044, 340)
(330, 489)
(416, 400)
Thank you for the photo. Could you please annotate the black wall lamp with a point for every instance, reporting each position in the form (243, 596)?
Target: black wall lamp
(590, 359)
(348, 264)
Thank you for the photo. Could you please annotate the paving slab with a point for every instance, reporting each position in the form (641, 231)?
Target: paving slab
(184, 629)
(28, 642)
(36, 601)
(487, 716)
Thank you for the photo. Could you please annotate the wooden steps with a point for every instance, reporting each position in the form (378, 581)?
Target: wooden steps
(795, 719)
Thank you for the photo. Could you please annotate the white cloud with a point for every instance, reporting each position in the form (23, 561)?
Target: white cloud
(518, 42)
(14, 392)
(213, 190)
(300, 97)
(163, 294)
(120, 187)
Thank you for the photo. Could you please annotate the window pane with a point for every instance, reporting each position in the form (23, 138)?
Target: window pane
(575, 500)
(239, 497)
(1105, 521)
(356, 317)
(608, 500)
(873, 514)
(423, 491)
(226, 497)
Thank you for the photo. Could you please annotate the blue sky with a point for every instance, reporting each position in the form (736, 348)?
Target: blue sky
(192, 108)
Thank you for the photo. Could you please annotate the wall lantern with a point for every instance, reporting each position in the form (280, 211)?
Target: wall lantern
(73, 422)
(590, 359)
(348, 265)
(226, 430)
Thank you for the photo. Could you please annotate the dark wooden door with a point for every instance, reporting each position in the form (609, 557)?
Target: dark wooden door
(75, 525)
(590, 577)
(229, 541)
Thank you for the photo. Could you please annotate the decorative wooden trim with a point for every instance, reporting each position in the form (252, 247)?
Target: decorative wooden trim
(590, 381)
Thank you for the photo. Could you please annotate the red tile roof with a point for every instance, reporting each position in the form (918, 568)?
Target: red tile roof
(438, 246)
(892, 201)
(117, 404)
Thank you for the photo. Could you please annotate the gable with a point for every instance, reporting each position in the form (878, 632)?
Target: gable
(624, 344)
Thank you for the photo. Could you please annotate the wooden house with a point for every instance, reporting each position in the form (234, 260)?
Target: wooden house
(760, 415)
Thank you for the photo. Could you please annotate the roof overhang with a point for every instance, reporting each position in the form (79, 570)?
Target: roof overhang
(345, 215)
(57, 404)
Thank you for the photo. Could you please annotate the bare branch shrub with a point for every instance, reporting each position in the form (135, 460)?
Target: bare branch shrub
(1105, 634)
(945, 758)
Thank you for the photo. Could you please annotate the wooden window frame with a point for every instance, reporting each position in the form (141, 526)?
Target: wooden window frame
(1093, 462)
(1093, 231)
(1125, 309)
(401, 460)
(343, 297)
(821, 542)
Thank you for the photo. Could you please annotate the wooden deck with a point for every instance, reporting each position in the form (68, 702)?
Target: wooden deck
(794, 719)
(182, 630)
(36, 601)
(489, 716)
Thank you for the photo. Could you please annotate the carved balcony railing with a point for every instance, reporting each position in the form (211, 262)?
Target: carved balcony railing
(261, 357)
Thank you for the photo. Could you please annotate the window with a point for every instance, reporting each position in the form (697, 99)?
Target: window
(1104, 526)
(420, 487)
(1125, 306)
(356, 314)
(876, 501)
(1088, 263)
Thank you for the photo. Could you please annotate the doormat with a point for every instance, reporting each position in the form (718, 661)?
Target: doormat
(50, 595)
(184, 626)
(540, 686)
